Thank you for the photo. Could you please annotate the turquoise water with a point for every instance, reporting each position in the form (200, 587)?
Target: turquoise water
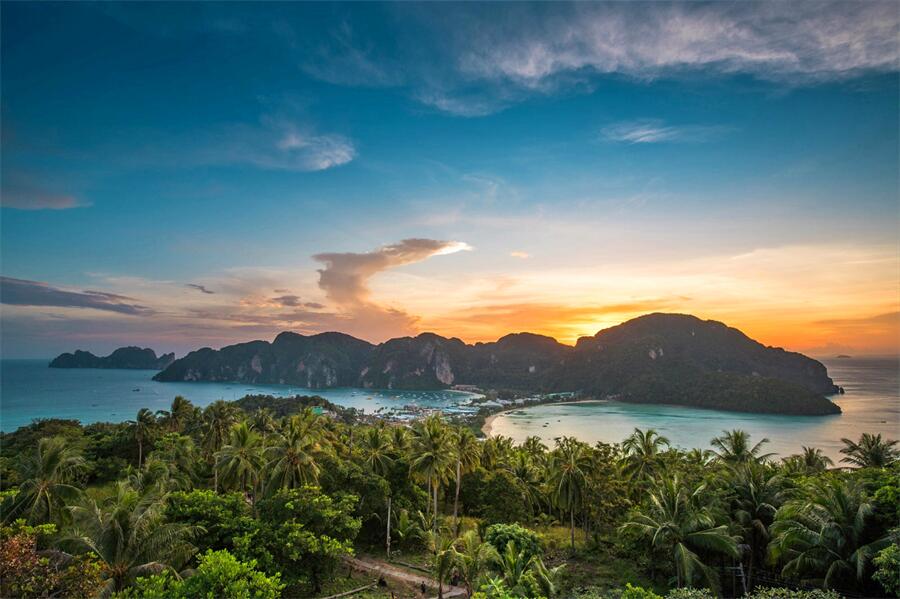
(29, 390)
(871, 404)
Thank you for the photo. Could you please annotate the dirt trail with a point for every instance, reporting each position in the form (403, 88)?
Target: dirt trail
(390, 571)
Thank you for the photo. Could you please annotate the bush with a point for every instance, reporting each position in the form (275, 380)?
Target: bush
(887, 574)
(219, 574)
(782, 593)
(690, 593)
(499, 535)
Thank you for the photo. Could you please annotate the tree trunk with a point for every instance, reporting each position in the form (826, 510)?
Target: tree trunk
(456, 498)
(140, 452)
(388, 540)
(215, 478)
(572, 527)
(435, 521)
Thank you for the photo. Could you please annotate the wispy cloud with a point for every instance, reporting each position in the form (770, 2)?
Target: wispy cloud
(518, 254)
(23, 193)
(805, 42)
(649, 131)
(200, 288)
(21, 292)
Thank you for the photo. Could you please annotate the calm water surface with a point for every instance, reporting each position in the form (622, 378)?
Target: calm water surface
(29, 390)
(871, 404)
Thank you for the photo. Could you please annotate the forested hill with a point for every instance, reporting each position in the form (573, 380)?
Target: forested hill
(657, 358)
(124, 357)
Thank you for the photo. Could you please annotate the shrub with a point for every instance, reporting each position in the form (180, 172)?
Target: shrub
(782, 593)
(887, 573)
(690, 593)
(499, 535)
(219, 574)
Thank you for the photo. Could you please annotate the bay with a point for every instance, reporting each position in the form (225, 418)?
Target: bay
(871, 403)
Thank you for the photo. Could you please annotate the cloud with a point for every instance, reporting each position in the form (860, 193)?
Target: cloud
(647, 131)
(24, 194)
(287, 300)
(345, 276)
(200, 288)
(20, 292)
(277, 143)
(522, 255)
(803, 42)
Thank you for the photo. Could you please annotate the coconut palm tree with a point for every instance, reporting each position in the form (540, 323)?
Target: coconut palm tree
(263, 421)
(569, 464)
(178, 416)
(756, 493)
(535, 449)
(820, 535)
(218, 418)
(523, 468)
(179, 454)
(142, 428)
(642, 453)
(474, 559)
(676, 520)
(432, 456)
(240, 461)
(48, 476)
(293, 458)
(811, 460)
(871, 451)
(467, 454)
(377, 456)
(495, 451)
(130, 536)
(443, 558)
(733, 447)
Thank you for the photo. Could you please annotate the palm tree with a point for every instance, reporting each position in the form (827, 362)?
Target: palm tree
(820, 535)
(142, 427)
(263, 421)
(642, 453)
(218, 418)
(535, 448)
(177, 417)
(812, 460)
(241, 460)
(467, 453)
(376, 451)
(496, 451)
(522, 467)
(130, 536)
(432, 451)
(734, 448)
(293, 459)
(443, 558)
(474, 558)
(569, 463)
(756, 493)
(48, 475)
(871, 451)
(179, 453)
(677, 521)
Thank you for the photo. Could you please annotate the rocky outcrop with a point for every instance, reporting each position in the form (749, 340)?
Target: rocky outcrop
(124, 357)
(658, 358)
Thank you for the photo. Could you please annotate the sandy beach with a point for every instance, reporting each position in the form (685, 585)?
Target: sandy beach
(489, 421)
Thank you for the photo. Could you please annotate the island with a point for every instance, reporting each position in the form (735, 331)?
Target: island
(125, 357)
(657, 358)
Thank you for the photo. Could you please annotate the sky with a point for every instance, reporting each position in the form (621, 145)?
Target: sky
(200, 174)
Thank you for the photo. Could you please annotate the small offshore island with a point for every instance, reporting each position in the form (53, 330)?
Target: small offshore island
(658, 358)
(130, 357)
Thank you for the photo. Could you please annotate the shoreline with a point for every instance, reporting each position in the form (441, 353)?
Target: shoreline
(489, 420)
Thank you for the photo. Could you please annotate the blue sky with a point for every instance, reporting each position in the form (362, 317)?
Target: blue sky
(557, 167)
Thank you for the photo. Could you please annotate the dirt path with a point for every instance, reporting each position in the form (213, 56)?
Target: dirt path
(390, 571)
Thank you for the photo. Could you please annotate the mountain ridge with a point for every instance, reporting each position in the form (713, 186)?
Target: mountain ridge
(655, 358)
(130, 357)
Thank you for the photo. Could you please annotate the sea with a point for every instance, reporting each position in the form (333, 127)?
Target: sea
(30, 390)
(871, 403)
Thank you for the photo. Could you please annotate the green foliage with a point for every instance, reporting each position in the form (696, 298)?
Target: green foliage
(220, 518)
(25, 572)
(887, 572)
(524, 540)
(219, 574)
(689, 593)
(782, 593)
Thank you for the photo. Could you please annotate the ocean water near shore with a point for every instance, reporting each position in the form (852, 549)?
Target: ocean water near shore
(30, 390)
(871, 403)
